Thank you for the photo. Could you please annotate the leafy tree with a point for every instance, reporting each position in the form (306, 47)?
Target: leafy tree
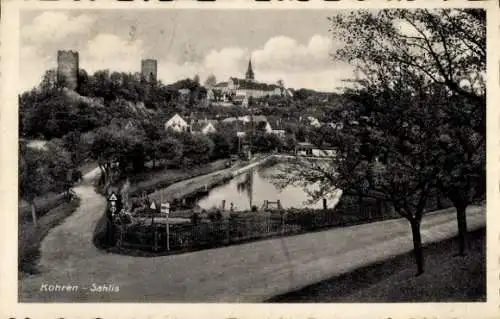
(47, 114)
(446, 48)
(151, 144)
(264, 142)
(100, 85)
(197, 148)
(196, 79)
(83, 83)
(118, 146)
(380, 156)
(41, 172)
(49, 80)
(32, 178)
(223, 145)
(104, 149)
(289, 143)
(76, 147)
(54, 113)
(210, 81)
(462, 151)
(171, 150)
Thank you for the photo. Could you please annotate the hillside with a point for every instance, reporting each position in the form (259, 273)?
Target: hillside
(56, 112)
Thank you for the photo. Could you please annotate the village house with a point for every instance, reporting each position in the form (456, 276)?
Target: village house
(203, 126)
(265, 126)
(279, 133)
(244, 119)
(260, 118)
(336, 126)
(221, 87)
(177, 123)
(304, 149)
(211, 94)
(312, 121)
(244, 124)
(241, 100)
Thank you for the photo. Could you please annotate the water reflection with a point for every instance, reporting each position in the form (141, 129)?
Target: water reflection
(246, 186)
(253, 188)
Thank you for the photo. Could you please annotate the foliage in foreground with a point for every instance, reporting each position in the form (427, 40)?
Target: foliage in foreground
(416, 120)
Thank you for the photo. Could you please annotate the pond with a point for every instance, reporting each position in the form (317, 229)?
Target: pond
(255, 187)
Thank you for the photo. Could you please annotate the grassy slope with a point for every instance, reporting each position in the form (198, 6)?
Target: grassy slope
(447, 278)
(155, 179)
(29, 237)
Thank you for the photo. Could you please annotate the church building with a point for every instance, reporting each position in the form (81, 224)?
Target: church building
(241, 89)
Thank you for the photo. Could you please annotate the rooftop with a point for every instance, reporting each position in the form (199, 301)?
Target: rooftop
(220, 85)
(251, 85)
(198, 126)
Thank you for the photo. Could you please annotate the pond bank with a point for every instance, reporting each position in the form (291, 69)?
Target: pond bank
(183, 192)
(199, 185)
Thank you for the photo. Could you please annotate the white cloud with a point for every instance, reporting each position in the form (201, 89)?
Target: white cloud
(230, 61)
(286, 54)
(169, 72)
(226, 62)
(108, 51)
(32, 67)
(52, 27)
(300, 66)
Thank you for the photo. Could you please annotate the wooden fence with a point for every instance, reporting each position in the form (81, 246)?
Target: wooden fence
(239, 228)
(248, 226)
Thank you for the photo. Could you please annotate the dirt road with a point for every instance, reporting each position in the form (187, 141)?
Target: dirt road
(242, 273)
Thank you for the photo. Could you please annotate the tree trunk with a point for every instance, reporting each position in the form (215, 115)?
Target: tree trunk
(417, 245)
(438, 201)
(360, 205)
(462, 229)
(379, 208)
(33, 213)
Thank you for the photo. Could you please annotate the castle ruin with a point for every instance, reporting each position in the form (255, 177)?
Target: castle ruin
(149, 69)
(67, 69)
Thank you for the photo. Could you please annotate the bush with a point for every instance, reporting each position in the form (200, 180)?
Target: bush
(195, 218)
(215, 215)
(29, 237)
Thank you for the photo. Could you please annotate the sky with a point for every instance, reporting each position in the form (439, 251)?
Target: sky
(290, 45)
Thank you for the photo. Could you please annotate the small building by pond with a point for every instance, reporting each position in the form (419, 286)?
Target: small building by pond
(304, 148)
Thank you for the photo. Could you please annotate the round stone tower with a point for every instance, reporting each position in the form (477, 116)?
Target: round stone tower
(67, 69)
(149, 69)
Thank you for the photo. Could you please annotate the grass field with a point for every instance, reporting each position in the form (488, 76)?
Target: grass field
(30, 237)
(448, 278)
(43, 205)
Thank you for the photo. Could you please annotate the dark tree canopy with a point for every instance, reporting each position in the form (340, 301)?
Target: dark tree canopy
(416, 120)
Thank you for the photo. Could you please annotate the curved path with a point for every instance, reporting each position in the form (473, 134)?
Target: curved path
(249, 272)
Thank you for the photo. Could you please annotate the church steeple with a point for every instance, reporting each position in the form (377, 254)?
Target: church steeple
(249, 75)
